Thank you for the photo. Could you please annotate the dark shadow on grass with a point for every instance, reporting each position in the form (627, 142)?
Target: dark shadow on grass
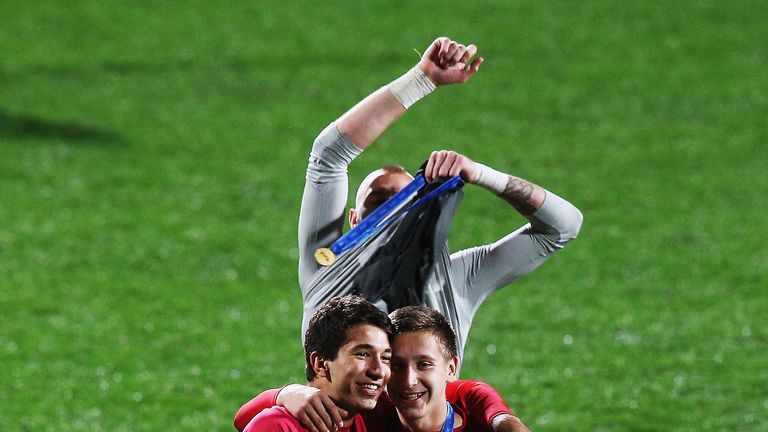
(20, 126)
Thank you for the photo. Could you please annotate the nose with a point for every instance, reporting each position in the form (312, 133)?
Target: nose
(377, 369)
(410, 378)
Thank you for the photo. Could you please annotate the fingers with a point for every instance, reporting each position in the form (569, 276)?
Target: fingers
(446, 61)
(311, 422)
(435, 165)
(471, 52)
(433, 50)
(430, 166)
(449, 165)
(319, 414)
(453, 53)
(475, 66)
(444, 45)
(320, 417)
(336, 414)
(444, 163)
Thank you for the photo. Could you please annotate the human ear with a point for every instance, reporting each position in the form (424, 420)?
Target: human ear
(354, 218)
(453, 366)
(319, 364)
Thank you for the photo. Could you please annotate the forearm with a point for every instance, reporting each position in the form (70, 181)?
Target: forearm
(521, 194)
(547, 212)
(248, 411)
(367, 120)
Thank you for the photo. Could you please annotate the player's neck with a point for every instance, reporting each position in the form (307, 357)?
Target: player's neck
(433, 422)
(349, 419)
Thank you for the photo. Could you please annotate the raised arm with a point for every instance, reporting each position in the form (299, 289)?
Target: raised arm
(322, 215)
(444, 62)
(524, 196)
(553, 222)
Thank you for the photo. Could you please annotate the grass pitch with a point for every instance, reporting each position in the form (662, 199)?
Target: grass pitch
(152, 165)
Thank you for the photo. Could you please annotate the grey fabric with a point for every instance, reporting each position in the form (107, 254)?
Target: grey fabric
(471, 274)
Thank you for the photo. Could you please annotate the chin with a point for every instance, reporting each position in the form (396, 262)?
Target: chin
(412, 414)
(411, 411)
(365, 402)
(366, 405)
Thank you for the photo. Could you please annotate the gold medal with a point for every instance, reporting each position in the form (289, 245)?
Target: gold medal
(325, 257)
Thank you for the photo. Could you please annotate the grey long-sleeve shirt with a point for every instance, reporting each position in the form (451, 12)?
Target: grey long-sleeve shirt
(473, 273)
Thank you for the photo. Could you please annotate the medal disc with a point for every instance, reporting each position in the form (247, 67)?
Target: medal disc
(325, 257)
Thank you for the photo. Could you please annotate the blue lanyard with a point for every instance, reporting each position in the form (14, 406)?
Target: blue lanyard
(368, 226)
(383, 216)
(448, 425)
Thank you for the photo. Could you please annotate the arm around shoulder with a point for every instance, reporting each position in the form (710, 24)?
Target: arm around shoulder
(275, 420)
(485, 405)
(481, 400)
(250, 409)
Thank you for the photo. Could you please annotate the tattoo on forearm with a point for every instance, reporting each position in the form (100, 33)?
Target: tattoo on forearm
(519, 194)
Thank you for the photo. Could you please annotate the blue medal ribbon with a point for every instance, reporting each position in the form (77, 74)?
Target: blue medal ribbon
(383, 216)
(448, 425)
(395, 426)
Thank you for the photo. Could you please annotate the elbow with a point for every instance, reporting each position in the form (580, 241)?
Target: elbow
(576, 222)
(242, 418)
(570, 227)
(240, 423)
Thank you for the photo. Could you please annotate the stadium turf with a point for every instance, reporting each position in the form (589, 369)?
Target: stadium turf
(152, 159)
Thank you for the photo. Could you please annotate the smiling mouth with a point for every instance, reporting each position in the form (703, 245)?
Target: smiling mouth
(411, 396)
(371, 389)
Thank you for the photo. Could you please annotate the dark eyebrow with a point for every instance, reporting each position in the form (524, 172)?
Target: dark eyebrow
(417, 358)
(368, 347)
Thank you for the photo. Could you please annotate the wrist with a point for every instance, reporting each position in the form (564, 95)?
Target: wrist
(489, 178)
(411, 87)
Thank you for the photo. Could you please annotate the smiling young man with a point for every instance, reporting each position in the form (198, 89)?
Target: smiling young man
(347, 354)
(424, 365)
(423, 394)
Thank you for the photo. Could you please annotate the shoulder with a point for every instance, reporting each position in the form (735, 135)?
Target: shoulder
(474, 395)
(276, 419)
(455, 389)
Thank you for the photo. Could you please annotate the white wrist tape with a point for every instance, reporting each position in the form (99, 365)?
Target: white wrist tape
(491, 179)
(411, 87)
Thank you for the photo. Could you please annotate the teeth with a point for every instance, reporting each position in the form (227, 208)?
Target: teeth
(370, 386)
(412, 396)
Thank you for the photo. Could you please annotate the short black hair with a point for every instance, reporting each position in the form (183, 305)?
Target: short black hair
(421, 318)
(328, 327)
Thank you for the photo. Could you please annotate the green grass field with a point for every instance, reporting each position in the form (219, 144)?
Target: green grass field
(151, 165)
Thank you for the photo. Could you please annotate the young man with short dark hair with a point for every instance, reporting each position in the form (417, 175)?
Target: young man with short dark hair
(347, 355)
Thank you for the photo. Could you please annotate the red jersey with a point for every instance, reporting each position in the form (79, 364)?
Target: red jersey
(278, 419)
(476, 402)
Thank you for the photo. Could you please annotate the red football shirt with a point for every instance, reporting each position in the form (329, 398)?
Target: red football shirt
(476, 402)
(278, 419)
